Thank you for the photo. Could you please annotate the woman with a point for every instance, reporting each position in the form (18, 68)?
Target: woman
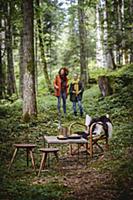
(61, 88)
(76, 93)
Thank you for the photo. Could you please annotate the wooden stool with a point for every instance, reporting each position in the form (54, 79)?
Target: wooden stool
(45, 152)
(28, 148)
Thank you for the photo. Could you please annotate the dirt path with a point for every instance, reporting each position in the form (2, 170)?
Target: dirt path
(90, 184)
(87, 183)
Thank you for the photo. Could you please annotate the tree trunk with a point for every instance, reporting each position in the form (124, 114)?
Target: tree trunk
(107, 57)
(41, 43)
(29, 92)
(2, 62)
(11, 83)
(36, 58)
(120, 30)
(99, 46)
(1, 69)
(21, 67)
(82, 38)
(131, 32)
(104, 85)
(116, 26)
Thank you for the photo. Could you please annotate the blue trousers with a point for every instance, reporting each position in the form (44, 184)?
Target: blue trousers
(63, 97)
(79, 105)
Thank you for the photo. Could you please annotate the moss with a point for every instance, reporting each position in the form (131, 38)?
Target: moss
(26, 117)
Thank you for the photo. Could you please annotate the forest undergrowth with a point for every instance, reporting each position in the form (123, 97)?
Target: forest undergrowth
(102, 177)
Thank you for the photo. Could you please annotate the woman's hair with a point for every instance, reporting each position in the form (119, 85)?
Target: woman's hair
(66, 71)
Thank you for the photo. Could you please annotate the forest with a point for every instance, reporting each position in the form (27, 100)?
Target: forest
(90, 38)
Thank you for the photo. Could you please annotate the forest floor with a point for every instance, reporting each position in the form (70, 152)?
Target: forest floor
(105, 176)
(89, 182)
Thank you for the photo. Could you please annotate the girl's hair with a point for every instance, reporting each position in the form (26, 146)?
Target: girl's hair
(66, 71)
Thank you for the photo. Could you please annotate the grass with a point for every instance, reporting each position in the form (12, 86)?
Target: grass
(22, 184)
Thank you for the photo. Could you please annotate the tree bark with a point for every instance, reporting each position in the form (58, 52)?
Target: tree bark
(11, 83)
(1, 74)
(82, 38)
(29, 92)
(99, 46)
(107, 56)
(1, 66)
(104, 86)
(21, 67)
(42, 49)
(131, 32)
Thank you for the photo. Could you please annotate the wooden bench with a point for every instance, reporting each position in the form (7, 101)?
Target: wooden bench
(29, 148)
(45, 152)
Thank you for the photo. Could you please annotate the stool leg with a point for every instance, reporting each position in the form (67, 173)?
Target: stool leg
(71, 149)
(13, 157)
(32, 159)
(57, 158)
(78, 151)
(42, 164)
(56, 155)
(27, 152)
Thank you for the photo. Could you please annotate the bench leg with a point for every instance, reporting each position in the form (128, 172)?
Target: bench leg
(13, 157)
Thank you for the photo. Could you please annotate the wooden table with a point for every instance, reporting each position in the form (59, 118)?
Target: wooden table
(54, 140)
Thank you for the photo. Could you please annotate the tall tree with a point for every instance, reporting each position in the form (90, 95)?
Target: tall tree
(11, 83)
(21, 68)
(128, 30)
(21, 52)
(82, 38)
(71, 50)
(116, 19)
(131, 32)
(1, 66)
(29, 92)
(107, 46)
(99, 46)
(42, 47)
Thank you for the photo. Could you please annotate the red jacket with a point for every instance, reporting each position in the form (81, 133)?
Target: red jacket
(57, 83)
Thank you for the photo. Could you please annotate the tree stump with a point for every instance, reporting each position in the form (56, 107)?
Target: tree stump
(104, 85)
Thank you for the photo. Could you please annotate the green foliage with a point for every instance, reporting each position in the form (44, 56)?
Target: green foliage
(95, 72)
(21, 190)
(52, 17)
(42, 87)
(119, 106)
(20, 184)
(122, 39)
(46, 102)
